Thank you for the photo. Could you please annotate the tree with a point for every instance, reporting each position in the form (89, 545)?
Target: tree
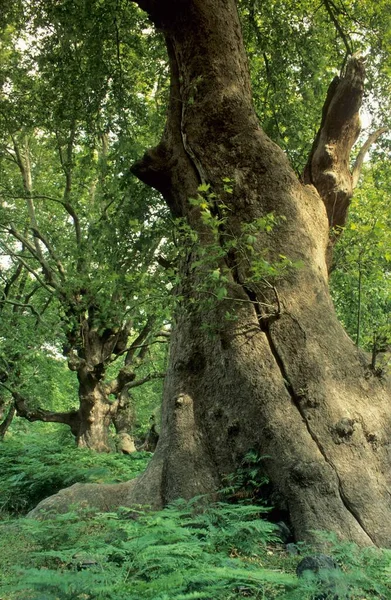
(65, 227)
(98, 316)
(360, 278)
(268, 366)
(21, 333)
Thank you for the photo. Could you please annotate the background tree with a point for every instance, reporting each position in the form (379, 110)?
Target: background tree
(361, 271)
(64, 221)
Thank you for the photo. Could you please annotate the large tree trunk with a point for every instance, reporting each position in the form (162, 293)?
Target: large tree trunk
(286, 379)
(280, 375)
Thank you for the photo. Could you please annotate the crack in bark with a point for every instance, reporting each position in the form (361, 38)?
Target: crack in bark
(264, 325)
(296, 400)
(186, 146)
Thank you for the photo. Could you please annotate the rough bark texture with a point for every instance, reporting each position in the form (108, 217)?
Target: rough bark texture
(283, 378)
(124, 421)
(328, 166)
(94, 412)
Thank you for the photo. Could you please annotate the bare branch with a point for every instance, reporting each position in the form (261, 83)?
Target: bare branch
(328, 4)
(138, 342)
(4, 300)
(149, 377)
(372, 139)
(37, 254)
(51, 251)
(21, 260)
(9, 155)
(13, 279)
(141, 346)
(66, 167)
(24, 163)
(40, 414)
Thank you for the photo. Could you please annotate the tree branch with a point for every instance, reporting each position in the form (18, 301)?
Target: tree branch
(51, 251)
(372, 139)
(142, 336)
(13, 279)
(24, 163)
(68, 207)
(66, 167)
(338, 27)
(40, 414)
(149, 377)
(21, 260)
(4, 300)
(48, 271)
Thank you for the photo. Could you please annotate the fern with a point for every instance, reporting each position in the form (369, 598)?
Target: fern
(33, 467)
(180, 552)
(188, 551)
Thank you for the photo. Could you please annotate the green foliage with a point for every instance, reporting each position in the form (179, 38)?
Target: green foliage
(362, 573)
(295, 49)
(34, 466)
(361, 281)
(248, 481)
(188, 551)
(219, 248)
(79, 101)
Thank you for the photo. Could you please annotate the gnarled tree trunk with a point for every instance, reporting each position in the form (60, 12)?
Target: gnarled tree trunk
(282, 376)
(124, 421)
(94, 414)
(101, 401)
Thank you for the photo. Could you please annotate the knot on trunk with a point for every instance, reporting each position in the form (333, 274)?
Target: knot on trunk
(344, 429)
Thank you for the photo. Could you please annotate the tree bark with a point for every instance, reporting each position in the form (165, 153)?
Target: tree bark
(124, 421)
(290, 384)
(94, 414)
(280, 375)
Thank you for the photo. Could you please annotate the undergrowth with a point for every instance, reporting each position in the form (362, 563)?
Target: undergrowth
(188, 551)
(33, 467)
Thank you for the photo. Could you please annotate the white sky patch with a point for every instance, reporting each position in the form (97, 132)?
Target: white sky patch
(5, 262)
(365, 118)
